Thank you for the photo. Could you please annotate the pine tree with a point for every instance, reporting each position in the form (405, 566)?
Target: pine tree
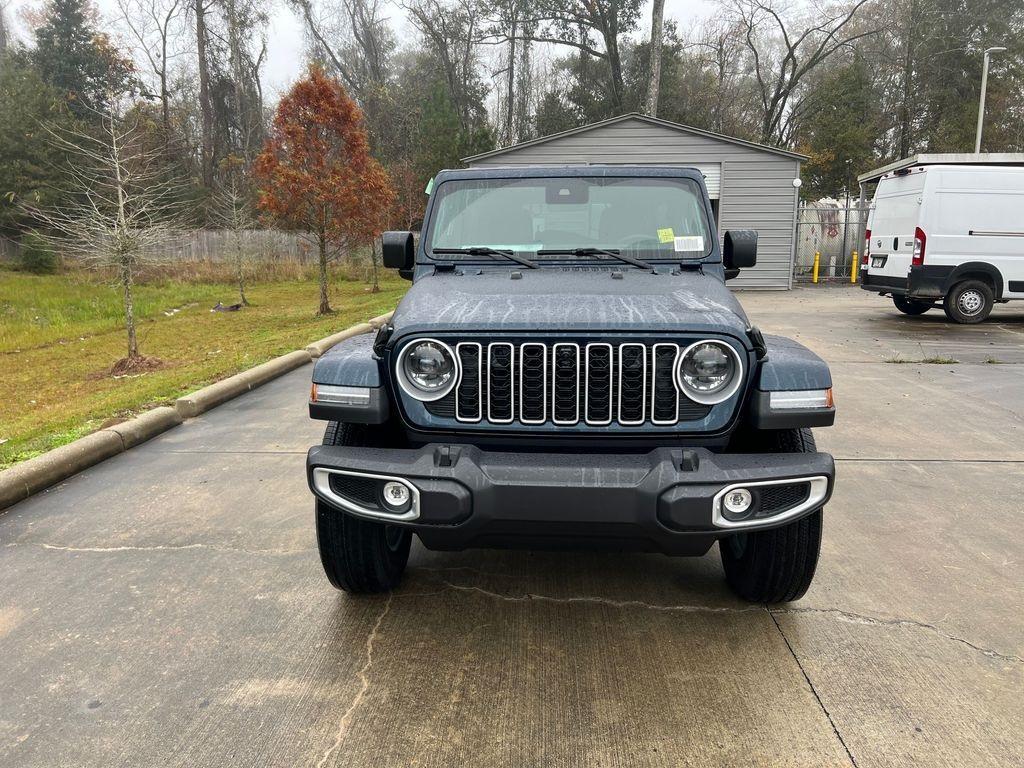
(76, 60)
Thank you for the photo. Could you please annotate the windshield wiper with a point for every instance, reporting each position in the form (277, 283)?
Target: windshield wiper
(615, 254)
(483, 250)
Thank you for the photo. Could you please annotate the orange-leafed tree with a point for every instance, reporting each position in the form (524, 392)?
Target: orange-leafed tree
(316, 175)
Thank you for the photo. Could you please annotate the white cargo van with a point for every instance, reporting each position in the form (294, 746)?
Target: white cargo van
(947, 233)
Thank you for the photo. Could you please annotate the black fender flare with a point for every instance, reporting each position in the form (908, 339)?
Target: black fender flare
(968, 268)
(352, 363)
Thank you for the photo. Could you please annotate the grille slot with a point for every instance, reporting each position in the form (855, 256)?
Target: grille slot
(565, 373)
(599, 378)
(664, 395)
(468, 405)
(564, 384)
(632, 383)
(501, 383)
(533, 383)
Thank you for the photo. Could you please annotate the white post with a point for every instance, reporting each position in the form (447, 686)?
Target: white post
(981, 102)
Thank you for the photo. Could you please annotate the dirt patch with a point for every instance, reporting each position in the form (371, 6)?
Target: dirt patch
(129, 366)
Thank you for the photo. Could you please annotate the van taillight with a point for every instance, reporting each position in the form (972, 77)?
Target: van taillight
(919, 243)
(867, 247)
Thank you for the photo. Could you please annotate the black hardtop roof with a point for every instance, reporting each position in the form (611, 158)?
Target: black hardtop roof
(570, 171)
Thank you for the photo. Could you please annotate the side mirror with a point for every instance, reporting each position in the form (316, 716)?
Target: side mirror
(397, 250)
(739, 249)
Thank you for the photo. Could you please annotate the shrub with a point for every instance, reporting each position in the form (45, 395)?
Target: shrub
(37, 256)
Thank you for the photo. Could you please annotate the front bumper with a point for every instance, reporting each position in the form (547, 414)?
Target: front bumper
(668, 500)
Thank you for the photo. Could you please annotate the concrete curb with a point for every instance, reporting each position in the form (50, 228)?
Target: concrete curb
(204, 399)
(29, 477)
(53, 466)
(146, 425)
(317, 348)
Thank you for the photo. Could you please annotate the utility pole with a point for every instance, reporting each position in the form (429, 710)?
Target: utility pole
(981, 103)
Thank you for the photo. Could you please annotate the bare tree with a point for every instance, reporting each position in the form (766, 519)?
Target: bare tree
(574, 23)
(121, 209)
(783, 54)
(152, 23)
(453, 29)
(722, 51)
(657, 33)
(242, 19)
(503, 27)
(355, 38)
(199, 10)
(233, 211)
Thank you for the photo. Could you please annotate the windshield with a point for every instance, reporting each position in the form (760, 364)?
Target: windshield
(654, 218)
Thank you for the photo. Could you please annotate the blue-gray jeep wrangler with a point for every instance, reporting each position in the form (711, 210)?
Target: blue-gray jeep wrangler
(569, 370)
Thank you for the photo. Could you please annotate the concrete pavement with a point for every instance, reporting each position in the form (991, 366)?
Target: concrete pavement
(167, 606)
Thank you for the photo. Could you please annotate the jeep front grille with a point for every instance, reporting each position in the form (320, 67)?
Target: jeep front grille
(565, 384)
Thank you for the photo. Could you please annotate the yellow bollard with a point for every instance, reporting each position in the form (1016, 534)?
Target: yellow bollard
(853, 267)
(817, 263)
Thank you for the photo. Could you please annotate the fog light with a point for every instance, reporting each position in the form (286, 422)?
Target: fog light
(737, 503)
(396, 495)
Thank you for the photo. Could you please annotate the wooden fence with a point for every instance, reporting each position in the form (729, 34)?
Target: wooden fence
(267, 246)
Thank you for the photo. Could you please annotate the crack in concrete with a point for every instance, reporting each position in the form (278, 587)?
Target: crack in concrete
(860, 618)
(160, 548)
(814, 691)
(364, 685)
(594, 600)
(837, 613)
(470, 569)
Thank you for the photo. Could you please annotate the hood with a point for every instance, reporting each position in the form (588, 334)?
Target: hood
(569, 299)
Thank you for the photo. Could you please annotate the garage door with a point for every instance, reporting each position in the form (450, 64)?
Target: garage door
(712, 179)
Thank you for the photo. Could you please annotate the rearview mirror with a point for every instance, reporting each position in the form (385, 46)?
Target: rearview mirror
(397, 250)
(739, 249)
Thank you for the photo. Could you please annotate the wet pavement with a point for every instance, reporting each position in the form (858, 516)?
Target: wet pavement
(167, 607)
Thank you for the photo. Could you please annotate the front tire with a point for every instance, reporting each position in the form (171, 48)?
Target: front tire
(359, 556)
(910, 306)
(777, 565)
(969, 302)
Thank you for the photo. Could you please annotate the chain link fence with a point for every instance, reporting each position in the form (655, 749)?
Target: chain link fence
(834, 233)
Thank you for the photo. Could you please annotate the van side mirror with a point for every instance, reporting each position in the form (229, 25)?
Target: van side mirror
(397, 250)
(739, 250)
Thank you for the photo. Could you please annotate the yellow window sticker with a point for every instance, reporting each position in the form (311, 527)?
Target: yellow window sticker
(666, 235)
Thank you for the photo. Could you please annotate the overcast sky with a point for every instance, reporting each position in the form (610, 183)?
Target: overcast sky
(285, 36)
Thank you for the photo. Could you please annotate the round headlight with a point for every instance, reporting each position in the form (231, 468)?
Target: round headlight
(709, 372)
(428, 370)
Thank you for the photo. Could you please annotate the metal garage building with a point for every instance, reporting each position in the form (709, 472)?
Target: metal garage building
(751, 186)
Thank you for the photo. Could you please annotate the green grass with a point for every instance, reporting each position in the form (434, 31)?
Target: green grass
(60, 334)
(937, 360)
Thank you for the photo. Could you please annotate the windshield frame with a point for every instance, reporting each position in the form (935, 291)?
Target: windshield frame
(678, 176)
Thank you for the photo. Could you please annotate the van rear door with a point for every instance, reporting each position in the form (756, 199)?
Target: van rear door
(894, 218)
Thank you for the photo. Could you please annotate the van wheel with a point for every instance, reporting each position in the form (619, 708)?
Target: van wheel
(969, 302)
(777, 565)
(910, 306)
(358, 555)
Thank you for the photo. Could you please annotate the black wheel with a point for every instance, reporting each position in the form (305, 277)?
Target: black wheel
(910, 306)
(775, 566)
(969, 302)
(359, 556)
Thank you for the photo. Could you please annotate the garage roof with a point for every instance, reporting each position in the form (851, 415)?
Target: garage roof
(644, 118)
